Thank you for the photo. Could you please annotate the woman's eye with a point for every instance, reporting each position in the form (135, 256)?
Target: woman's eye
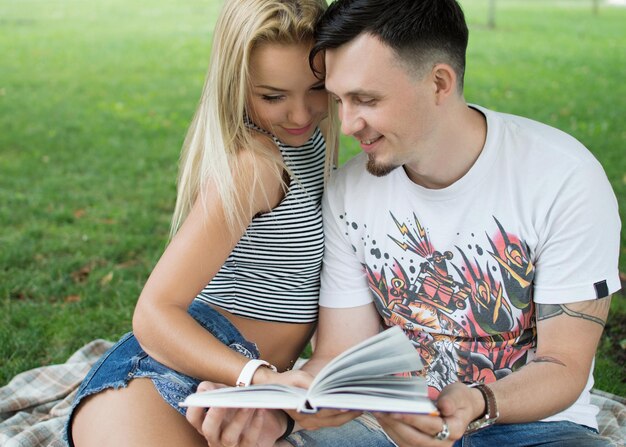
(269, 98)
(319, 87)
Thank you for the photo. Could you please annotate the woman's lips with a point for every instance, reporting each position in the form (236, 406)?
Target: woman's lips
(299, 131)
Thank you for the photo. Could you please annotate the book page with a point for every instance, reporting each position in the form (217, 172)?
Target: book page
(273, 396)
(372, 368)
(389, 352)
(367, 402)
(388, 384)
(361, 378)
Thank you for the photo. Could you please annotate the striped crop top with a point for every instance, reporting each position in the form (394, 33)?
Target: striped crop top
(273, 273)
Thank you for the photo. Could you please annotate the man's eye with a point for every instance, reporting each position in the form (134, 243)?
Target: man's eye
(366, 101)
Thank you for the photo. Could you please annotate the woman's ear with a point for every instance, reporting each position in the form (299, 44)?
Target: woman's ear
(445, 79)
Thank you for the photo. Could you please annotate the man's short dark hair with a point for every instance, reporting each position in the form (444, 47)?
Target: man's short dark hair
(421, 32)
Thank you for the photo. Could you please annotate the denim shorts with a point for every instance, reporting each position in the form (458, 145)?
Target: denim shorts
(364, 431)
(126, 361)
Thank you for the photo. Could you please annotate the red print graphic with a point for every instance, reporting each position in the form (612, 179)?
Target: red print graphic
(470, 320)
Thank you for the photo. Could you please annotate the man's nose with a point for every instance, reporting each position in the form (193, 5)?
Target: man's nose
(351, 122)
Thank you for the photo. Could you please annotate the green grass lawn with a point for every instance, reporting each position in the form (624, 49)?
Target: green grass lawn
(95, 99)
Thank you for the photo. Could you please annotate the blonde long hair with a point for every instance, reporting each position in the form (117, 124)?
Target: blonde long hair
(218, 129)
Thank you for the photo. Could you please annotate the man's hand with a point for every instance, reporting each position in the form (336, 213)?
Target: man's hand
(458, 405)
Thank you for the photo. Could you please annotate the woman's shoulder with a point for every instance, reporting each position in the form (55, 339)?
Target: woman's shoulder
(261, 153)
(257, 170)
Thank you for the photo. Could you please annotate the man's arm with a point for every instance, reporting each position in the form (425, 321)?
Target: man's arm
(338, 330)
(567, 338)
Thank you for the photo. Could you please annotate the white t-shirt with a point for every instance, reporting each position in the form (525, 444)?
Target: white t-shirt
(533, 221)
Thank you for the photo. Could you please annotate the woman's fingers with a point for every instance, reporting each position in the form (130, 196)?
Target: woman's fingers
(195, 416)
(233, 423)
(252, 436)
(214, 419)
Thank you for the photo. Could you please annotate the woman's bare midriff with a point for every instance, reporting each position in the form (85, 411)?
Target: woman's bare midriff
(279, 343)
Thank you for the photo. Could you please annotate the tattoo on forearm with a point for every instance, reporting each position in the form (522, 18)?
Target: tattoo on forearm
(586, 310)
(546, 359)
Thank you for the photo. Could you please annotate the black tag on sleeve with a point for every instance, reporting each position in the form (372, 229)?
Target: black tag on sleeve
(602, 290)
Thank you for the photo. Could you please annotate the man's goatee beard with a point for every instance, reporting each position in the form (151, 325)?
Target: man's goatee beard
(377, 169)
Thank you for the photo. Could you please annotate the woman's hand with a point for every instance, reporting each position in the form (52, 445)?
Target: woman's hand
(303, 379)
(295, 377)
(228, 427)
(245, 427)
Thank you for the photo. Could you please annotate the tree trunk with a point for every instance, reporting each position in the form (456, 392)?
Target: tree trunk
(596, 6)
(491, 20)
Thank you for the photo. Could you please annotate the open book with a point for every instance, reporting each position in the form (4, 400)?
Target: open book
(362, 378)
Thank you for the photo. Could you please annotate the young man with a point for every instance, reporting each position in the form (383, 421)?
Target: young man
(491, 239)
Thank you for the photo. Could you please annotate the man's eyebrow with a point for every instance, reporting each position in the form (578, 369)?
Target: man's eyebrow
(357, 92)
(361, 92)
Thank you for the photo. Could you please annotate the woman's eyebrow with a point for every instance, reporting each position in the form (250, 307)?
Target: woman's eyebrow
(269, 87)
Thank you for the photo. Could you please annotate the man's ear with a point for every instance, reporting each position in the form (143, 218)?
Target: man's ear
(444, 78)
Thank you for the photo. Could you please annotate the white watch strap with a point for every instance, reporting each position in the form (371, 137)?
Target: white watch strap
(245, 377)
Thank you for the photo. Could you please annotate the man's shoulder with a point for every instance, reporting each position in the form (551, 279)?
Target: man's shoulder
(355, 166)
(537, 142)
(352, 185)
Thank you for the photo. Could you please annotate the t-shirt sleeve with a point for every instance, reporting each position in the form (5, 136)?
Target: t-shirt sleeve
(578, 259)
(343, 283)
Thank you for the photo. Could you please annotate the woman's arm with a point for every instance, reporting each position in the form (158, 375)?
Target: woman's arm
(196, 253)
(338, 330)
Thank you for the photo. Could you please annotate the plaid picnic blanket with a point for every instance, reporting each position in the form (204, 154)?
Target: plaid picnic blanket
(34, 405)
(612, 416)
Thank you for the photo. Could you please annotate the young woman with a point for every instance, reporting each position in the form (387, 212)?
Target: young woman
(239, 280)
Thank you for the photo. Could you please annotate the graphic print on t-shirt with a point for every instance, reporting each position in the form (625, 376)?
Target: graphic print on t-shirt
(467, 307)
